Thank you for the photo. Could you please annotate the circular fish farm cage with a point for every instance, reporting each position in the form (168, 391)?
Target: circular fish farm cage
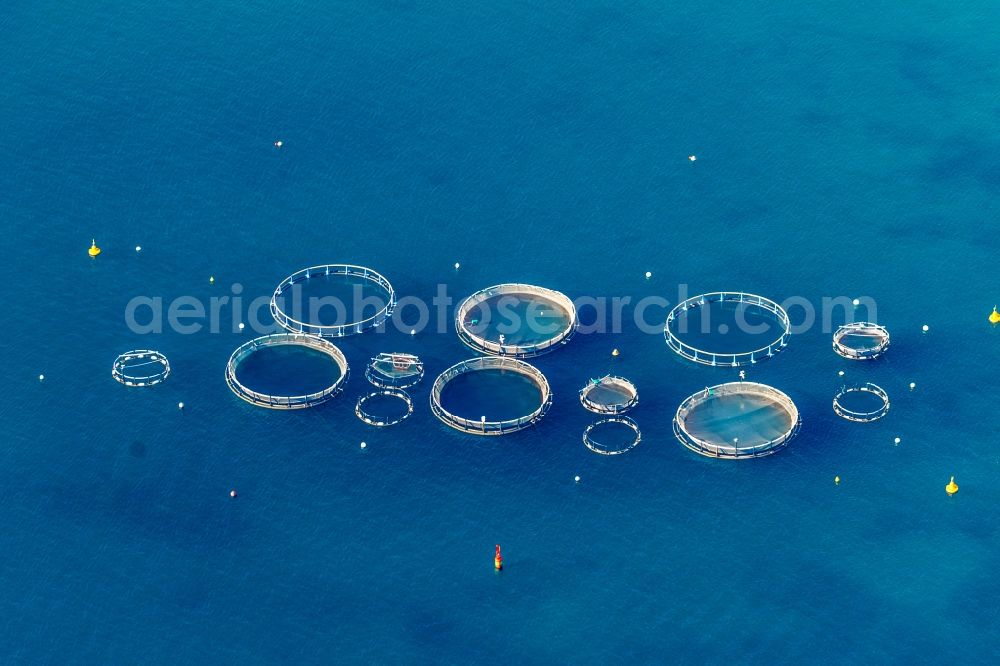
(287, 363)
(727, 328)
(378, 418)
(597, 439)
(395, 370)
(862, 403)
(492, 395)
(861, 341)
(333, 300)
(518, 320)
(609, 395)
(140, 367)
(737, 420)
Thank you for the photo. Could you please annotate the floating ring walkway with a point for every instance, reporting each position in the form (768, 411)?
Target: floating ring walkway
(484, 427)
(466, 322)
(293, 325)
(605, 450)
(719, 447)
(395, 370)
(861, 417)
(282, 401)
(733, 359)
(371, 419)
(867, 331)
(140, 367)
(609, 395)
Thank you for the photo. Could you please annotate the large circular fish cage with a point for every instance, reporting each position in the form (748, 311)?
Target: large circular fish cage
(140, 367)
(861, 341)
(672, 330)
(340, 328)
(609, 395)
(867, 416)
(545, 320)
(485, 426)
(395, 370)
(597, 444)
(737, 420)
(379, 421)
(286, 401)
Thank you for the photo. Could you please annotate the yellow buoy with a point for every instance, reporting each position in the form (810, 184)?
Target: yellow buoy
(615, 352)
(995, 316)
(952, 487)
(836, 480)
(94, 250)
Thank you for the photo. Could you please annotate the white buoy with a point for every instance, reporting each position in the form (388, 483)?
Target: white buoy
(577, 479)
(913, 385)
(648, 275)
(897, 441)
(457, 265)
(856, 302)
(693, 157)
(840, 374)
(138, 248)
(211, 279)
(180, 405)
(41, 378)
(242, 325)
(926, 328)
(413, 331)
(278, 143)
(364, 445)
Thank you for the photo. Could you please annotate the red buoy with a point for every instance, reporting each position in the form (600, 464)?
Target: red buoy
(498, 559)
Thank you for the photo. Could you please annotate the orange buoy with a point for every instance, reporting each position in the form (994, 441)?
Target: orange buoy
(498, 559)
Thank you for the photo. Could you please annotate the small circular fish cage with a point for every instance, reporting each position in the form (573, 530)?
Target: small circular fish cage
(395, 370)
(598, 440)
(493, 386)
(518, 320)
(736, 420)
(140, 367)
(731, 328)
(868, 391)
(861, 341)
(284, 399)
(364, 411)
(609, 395)
(317, 290)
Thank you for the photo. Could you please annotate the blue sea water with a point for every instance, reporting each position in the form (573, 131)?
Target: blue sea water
(843, 149)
